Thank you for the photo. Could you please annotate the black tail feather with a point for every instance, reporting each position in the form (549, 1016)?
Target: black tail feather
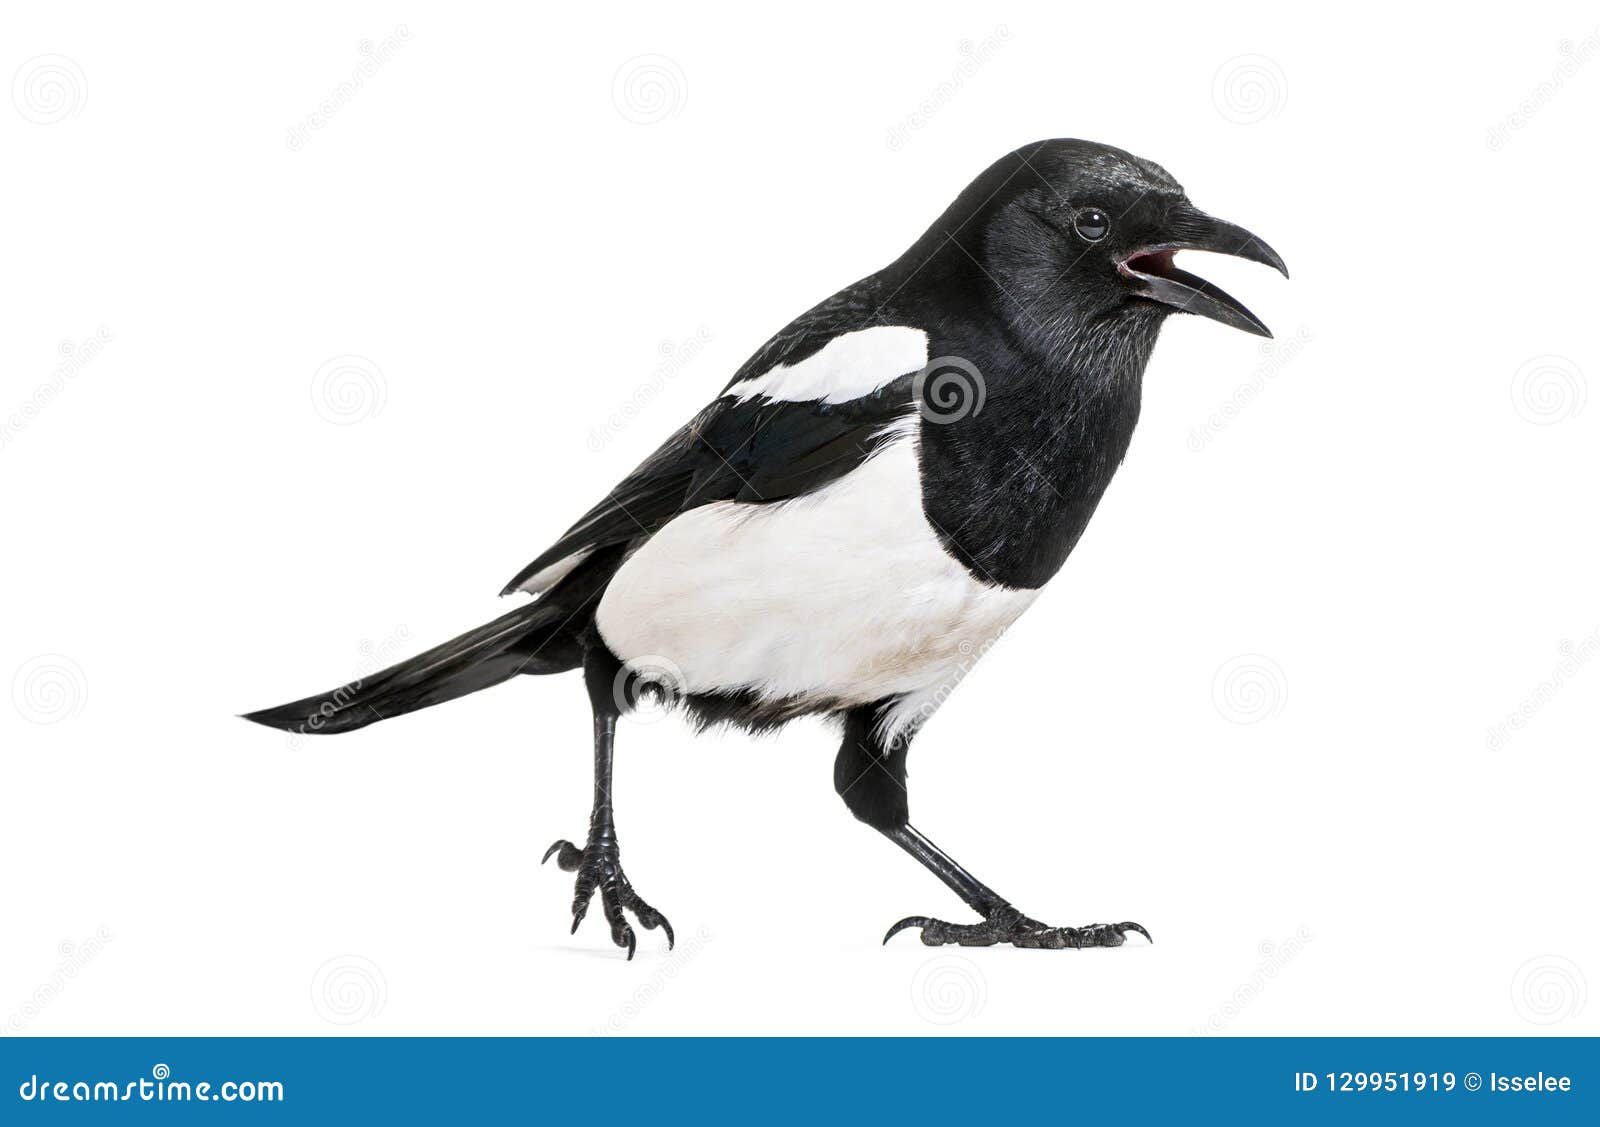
(536, 638)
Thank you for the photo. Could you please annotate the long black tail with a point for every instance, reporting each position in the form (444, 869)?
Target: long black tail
(537, 638)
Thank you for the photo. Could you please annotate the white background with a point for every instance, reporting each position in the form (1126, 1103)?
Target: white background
(1253, 712)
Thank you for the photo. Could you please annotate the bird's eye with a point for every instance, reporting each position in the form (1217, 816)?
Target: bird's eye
(1092, 224)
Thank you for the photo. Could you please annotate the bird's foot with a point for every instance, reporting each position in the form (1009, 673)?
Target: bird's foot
(1007, 925)
(599, 867)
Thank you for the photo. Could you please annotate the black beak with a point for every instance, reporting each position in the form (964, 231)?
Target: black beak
(1158, 279)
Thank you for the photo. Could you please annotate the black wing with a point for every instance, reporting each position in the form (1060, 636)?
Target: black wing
(753, 450)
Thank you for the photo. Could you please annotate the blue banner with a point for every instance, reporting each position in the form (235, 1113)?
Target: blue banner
(791, 1080)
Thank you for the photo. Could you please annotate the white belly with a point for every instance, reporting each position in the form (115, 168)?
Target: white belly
(843, 595)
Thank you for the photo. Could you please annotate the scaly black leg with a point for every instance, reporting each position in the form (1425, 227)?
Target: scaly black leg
(599, 863)
(870, 777)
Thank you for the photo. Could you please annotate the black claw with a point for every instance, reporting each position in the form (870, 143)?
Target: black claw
(598, 868)
(909, 921)
(1136, 927)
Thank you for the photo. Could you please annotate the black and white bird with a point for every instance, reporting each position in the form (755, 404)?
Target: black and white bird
(876, 495)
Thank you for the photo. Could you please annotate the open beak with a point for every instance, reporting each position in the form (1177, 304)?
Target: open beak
(1158, 279)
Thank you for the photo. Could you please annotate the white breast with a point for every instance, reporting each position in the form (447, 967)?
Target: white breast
(841, 595)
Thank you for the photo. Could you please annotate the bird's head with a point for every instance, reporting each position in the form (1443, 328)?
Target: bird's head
(1070, 232)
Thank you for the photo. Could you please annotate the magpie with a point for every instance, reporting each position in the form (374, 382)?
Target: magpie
(873, 498)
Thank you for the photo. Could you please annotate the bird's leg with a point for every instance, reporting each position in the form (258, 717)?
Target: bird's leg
(870, 777)
(599, 863)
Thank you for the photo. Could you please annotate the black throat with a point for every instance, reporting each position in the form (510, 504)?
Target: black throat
(1010, 486)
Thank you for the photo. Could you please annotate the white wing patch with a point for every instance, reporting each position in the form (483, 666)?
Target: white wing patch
(847, 367)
